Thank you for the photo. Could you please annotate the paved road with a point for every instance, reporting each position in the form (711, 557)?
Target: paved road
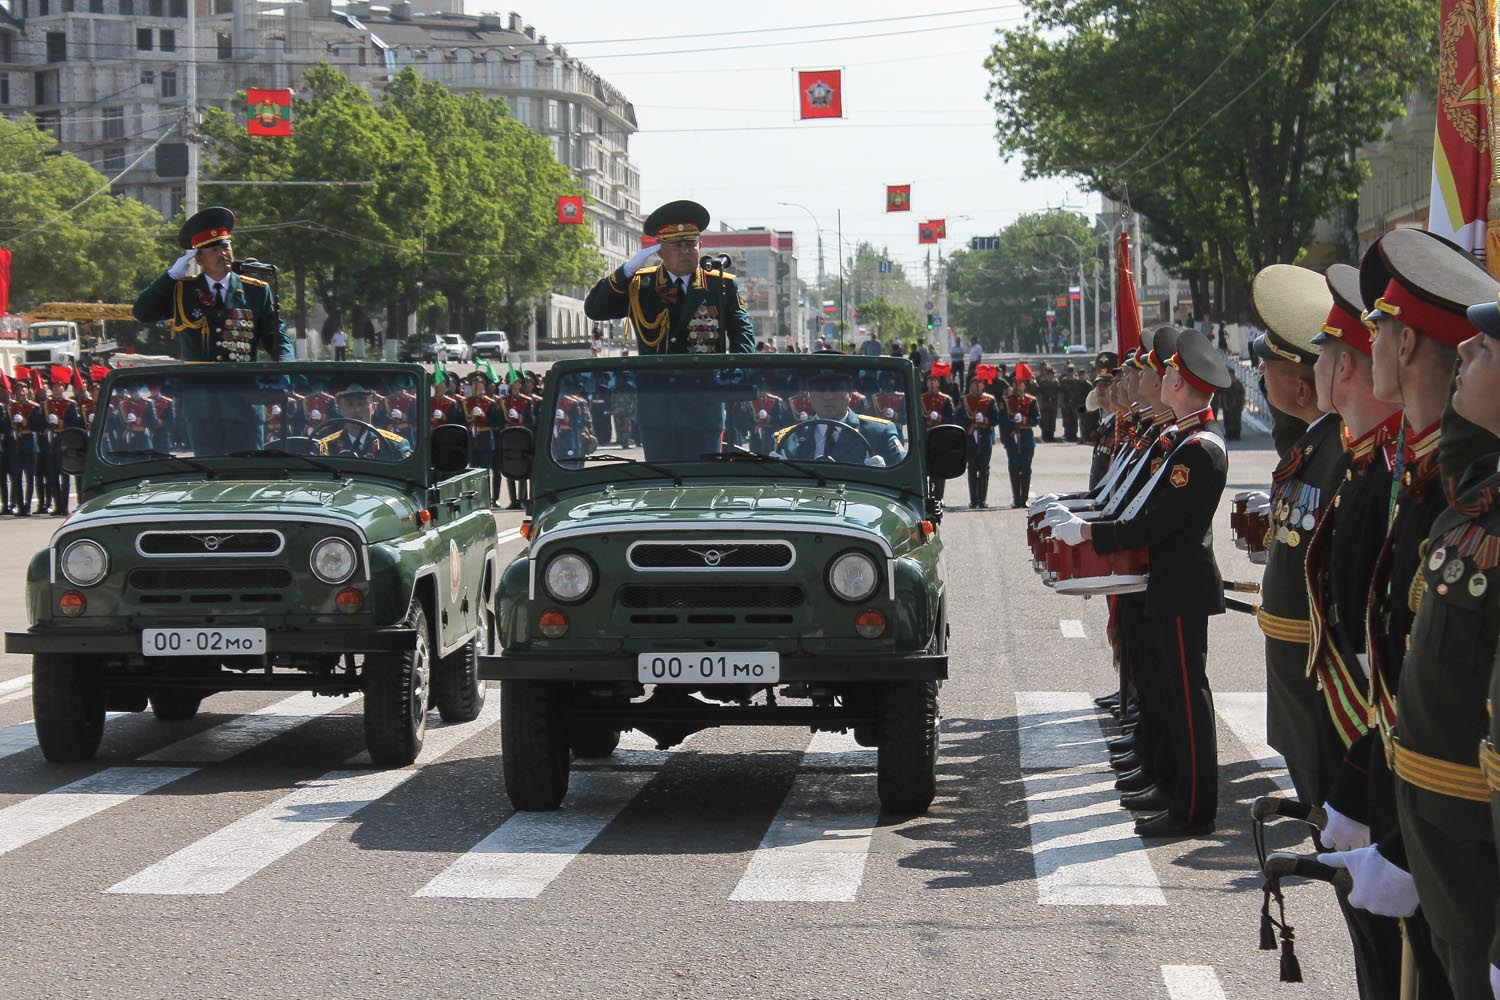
(247, 853)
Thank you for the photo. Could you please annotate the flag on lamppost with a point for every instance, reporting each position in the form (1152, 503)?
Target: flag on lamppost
(820, 93)
(1461, 149)
(898, 197)
(270, 112)
(4, 280)
(1127, 310)
(939, 226)
(926, 233)
(570, 209)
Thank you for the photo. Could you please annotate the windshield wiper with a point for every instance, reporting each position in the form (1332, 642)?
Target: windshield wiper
(153, 453)
(674, 476)
(278, 453)
(751, 456)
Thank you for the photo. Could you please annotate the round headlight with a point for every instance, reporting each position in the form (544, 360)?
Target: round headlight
(853, 576)
(84, 563)
(569, 577)
(333, 560)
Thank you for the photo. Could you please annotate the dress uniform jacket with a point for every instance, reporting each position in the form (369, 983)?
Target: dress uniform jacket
(247, 321)
(846, 449)
(709, 318)
(1303, 486)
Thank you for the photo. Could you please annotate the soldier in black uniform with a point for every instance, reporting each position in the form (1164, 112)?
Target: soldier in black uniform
(1172, 517)
(1292, 303)
(677, 307)
(1417, 287)
(1072, 388)
(1047, 389)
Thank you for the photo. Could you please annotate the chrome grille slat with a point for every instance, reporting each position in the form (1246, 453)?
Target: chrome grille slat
(717, 555)
(239, 543)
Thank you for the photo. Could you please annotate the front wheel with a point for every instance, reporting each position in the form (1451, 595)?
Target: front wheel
(906, 761)
(534, 743)
(67, 697)
(456, 687)
(397, 688)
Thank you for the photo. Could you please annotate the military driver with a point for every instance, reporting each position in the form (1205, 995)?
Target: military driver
(356, 436)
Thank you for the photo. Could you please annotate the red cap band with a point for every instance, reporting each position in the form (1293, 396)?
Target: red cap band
(1427, 319)
(209, 236)
(1347, 329)
(1190, 378)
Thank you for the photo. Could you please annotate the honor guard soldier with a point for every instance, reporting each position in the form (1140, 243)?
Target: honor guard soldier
(937, 409)
(770, 413)
(26, 418)
(447, 408)
(320, 407)
(1172, 517)
(890, 404)
(980, 416)
(165, 431)
(399, 412)
(1024, 413)
(481, 434)
(1292, 304)
(515, 409)
(1417, 287)
(622, 410)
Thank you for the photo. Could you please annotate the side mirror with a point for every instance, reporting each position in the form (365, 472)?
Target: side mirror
(517, 452)
(72, 447)
(450, 447)
(946, 454)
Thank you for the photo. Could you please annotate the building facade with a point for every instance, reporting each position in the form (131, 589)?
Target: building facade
(764, 262)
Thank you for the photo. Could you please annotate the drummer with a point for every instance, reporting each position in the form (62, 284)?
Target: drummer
(1173, 519)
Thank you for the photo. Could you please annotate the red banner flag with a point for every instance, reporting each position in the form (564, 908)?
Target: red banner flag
(36, 380)
(97, 373)
(59, 374)
(940, 227)
(6, 383)
(942, 369)
(898, 197)
(986, 373)
(926, 233)
(79, 385)
(270, 112)
(23, 373)
(820, 93)
(1127, 308)
(1461, 155)
(4, 280)
(570, 209)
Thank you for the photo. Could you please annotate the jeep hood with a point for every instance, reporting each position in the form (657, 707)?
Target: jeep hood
(723, 506)
(382, 511)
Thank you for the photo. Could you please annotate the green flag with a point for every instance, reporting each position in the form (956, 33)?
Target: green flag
(439, 373)
(510, 371)
(488, 370)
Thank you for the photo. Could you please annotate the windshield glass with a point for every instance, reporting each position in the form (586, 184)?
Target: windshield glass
(43, 333)
(836, 415)
(363, 414)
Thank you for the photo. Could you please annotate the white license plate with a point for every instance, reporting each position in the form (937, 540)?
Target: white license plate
(703, 667)
(203, 641)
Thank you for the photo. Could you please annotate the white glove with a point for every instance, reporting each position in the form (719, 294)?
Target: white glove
(316, 415)
(437, 414)
(781, 455)
(802, 414)
(1040, 503)
(397, 414)
(762, 414)
(1379, 886)
(561, 415)
(979, 418)
(889, 413)
(275, 410)
(637, 262)
(876, 461)
(1495, 981)
(934, 416)
(476, 412)
(1056, 516)
(513, 413)
(1342, 833)
(1091, 401)
(180, 266)
(1069, 532)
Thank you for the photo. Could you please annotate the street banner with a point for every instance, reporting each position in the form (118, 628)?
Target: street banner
(830, 307)
(926, 233)
(820, 93)
(1127, 309)
(898, 197)
(940, 226)
(570, 209)
(270, 112)
(4, 281)
(1461, 149)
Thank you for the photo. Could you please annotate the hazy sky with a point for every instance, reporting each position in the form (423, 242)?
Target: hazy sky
(718, 114)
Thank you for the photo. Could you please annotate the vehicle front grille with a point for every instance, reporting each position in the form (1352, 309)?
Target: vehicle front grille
(209, 543)
(718, 555)
(243, 585)
(734, 597)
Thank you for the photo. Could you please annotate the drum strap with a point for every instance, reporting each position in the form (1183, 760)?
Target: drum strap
(1207, 437)
(1135, 473)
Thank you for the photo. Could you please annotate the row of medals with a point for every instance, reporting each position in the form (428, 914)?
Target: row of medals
(1288, 516)
(1453, 570)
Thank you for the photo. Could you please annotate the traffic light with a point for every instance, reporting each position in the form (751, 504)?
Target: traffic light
(930, 323)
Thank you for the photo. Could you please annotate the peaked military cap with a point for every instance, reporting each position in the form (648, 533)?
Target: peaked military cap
(354, 389)
(677, 222)
(1426, 281)
(831, 380)
(1107, 361)
(1344, 322)
(1291, 302)
(1199, 363)
(205, 228)
(1163, 346)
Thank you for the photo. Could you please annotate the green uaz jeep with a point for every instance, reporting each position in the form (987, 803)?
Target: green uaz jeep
(264, 527)
(767, 555)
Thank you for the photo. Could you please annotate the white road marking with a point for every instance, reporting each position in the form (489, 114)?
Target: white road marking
(509, 535)
(41, 815)
(1245, 714)
(838, 751)
(15, 684)
(527, 853)
(1192, 982)
(1084, 848)
(232, 854)
(15, 696)
(1072, 628)
(217, 744)
(17, 739)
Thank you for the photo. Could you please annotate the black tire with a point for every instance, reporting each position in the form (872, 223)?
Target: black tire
(397, 692)
(906, 762)
(456, 687)
(594, 741)
(67, 697)
(534, 743)
(175, 706)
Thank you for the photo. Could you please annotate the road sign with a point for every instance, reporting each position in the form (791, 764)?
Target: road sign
(886, 267)
(984, 243)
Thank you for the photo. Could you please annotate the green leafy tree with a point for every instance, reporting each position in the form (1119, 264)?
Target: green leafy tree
(1230, 125)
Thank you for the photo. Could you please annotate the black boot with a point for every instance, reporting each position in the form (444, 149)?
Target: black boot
(1025, 489)
(973, 490)
(984, 490)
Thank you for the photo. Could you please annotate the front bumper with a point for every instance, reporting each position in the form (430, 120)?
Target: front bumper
(117, 641)
(858, 669)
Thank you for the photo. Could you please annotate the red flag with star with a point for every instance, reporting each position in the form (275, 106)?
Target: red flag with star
(570, 209)
(926, 233)
(898, 197)
(270, 112)
(1127, 309)
(820, 93)
(1461, 157)
(940, 227)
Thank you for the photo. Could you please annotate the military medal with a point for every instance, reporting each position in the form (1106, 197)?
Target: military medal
(1478, 584)
(1435, 561)
(1308, 521)
(1453, 571)
(1294, 538)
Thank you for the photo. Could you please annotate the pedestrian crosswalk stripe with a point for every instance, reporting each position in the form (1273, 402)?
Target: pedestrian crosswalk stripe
(1072, 628)
(45, 814)
(15, 684)
(1084, 848)
(817, 845)
(1192, 982)
(235, 736)
(234, 853)
(17, 739)
(527, 853)
(1245, 714)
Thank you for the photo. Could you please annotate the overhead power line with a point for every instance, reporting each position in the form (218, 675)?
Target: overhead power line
(800, 27)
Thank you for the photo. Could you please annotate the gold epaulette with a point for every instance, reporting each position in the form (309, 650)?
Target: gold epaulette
(247, 280)
(391, 435)
(878, 420)
(651, 269)
(719, 274)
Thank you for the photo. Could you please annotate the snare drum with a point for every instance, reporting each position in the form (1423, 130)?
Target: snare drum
(1258, 535)
(1239, 524)
(1083, 571)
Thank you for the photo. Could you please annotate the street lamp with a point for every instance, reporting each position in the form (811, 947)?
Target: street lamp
(818, 306)
(1082, 326)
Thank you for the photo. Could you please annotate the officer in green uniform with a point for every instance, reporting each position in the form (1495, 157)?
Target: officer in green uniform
(836, 432)
(1417, 287)
(355, 434)
(676, 307)
(1292, 304)
(1047, 388)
